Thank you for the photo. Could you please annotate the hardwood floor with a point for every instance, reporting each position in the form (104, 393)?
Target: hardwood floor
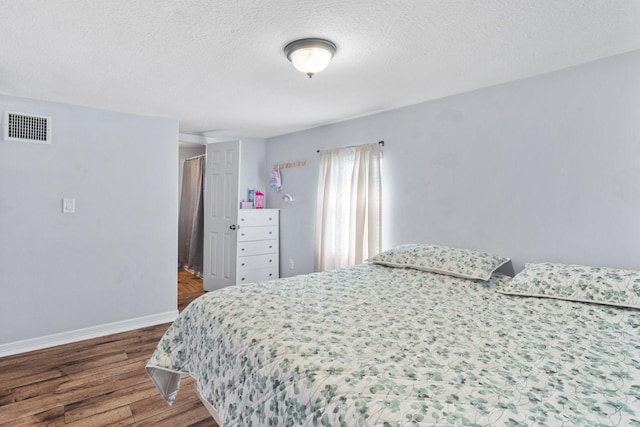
(98, 382)
(189, 288)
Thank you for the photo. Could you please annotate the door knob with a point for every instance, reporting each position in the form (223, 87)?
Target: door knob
(232, 227)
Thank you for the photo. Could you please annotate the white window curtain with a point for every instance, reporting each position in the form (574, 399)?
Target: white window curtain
(348, 220)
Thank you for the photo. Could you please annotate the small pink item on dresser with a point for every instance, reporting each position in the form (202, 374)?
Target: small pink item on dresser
(259, 202)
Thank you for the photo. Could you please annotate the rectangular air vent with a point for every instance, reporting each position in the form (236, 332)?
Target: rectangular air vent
(27, 127)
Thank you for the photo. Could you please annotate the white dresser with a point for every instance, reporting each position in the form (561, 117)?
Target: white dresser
(258, 245)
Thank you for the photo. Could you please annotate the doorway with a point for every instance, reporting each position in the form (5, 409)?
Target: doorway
(189, 281)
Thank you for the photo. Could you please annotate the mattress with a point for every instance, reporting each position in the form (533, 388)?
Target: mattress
(381, 346)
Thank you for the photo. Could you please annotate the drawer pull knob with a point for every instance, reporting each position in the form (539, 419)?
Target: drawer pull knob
(271, 232)
(242, 249)
(269, 247)
(270, 274)
(270, 260)
(242, 264)
(242, 279)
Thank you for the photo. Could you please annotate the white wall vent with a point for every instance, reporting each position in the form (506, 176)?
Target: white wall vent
(27, 127)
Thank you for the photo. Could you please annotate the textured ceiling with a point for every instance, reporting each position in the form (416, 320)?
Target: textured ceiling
(218, 66)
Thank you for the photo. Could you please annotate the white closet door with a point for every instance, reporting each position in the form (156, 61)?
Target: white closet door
(221, 214)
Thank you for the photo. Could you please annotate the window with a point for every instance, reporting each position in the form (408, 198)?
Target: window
(348, 220)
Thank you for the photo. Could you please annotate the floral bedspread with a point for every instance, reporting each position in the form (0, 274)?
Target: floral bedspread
(374, 345)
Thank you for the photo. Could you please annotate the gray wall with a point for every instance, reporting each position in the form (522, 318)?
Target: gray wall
(541, 169)
(115, 258)
(253, 166)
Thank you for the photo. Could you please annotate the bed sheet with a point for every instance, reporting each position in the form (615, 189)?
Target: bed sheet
(375, 345)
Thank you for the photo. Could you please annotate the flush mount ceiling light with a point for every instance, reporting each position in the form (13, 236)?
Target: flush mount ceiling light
(310, 55)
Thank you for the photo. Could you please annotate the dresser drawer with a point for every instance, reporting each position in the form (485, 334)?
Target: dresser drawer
(257, 217)
(256, 261)
(261, 274)
(257, 247)
(257, 233)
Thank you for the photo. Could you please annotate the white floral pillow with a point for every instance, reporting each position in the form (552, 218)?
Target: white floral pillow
(464, 263)
(577, 283)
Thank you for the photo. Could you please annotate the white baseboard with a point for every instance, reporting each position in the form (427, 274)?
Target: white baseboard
(38, 343)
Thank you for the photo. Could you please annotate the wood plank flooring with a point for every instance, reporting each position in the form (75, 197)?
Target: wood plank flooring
(189, 288)
(98, 382)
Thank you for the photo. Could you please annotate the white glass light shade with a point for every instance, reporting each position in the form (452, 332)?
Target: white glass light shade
(311, 60)
(310, 55)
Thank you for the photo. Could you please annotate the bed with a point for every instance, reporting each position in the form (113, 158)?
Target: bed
(391, 344)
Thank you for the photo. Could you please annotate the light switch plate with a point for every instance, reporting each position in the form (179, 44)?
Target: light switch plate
(68, 205)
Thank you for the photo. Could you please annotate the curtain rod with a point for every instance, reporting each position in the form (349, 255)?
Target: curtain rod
(379, 142)
(195, 157)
